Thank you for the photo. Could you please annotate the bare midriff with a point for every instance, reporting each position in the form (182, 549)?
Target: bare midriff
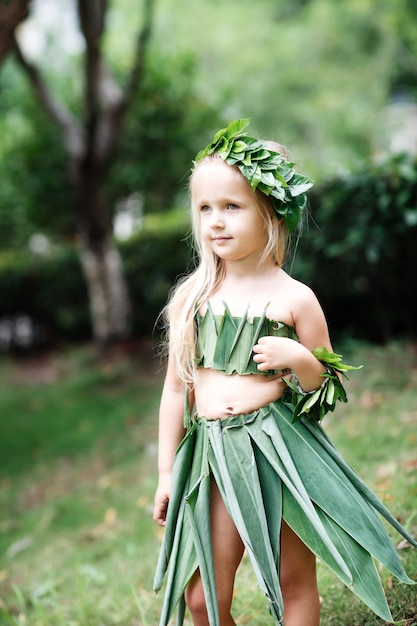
(217, 395)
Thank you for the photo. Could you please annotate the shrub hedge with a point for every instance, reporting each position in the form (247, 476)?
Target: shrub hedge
(52, 293)
(359, 252)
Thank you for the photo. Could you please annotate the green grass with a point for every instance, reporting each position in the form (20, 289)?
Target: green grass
(78, 470)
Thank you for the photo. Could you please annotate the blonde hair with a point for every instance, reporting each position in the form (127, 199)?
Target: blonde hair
(193, 290)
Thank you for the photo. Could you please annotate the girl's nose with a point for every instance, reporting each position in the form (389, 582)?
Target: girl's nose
(216, 220)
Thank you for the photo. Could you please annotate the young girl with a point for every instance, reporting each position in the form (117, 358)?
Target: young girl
(246, 465)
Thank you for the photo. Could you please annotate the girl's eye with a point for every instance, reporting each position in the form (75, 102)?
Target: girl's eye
(232, 207)
(205, 208)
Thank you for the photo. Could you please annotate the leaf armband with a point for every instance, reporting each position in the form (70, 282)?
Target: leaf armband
(316, 403)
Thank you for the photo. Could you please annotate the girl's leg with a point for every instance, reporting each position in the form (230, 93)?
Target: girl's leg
(227, 553)
(298, 581)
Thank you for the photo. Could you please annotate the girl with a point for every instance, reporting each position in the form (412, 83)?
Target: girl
(247, 465)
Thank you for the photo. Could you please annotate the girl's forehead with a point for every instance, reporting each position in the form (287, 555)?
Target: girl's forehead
(216, 169)
(214, 162)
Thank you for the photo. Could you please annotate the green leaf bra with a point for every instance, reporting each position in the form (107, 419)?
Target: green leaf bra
(225, 343)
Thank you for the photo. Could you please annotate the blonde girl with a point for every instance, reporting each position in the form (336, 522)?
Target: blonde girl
(244, 463)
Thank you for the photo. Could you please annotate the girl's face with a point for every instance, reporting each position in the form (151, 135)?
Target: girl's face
(231, 224)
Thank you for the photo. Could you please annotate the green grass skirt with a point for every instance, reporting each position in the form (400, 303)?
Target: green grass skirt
(269, 469)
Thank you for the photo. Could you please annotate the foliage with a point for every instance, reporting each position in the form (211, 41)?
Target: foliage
(288, 66)
(78, 474)
(34, 194)
(163, 131)
(358, 254)
(326, 113)
(317, 403)
(51, 290)
(153, 262)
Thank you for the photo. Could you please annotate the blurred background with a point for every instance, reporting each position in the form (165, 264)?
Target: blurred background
(103, 109)
(103, 106)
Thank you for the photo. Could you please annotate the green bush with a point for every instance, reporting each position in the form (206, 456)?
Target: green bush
(153, 262)
(163, 130)
(52, 290)
(358, 253)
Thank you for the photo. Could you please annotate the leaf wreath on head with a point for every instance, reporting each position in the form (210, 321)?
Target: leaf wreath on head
(264, 168)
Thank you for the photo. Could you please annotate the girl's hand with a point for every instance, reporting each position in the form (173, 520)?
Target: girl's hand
(275, 353)
(162, 496)
(281, 353)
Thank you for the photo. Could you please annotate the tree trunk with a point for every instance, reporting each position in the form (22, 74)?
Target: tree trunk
(91, 141)
(100, 259)
(107, 289)
(12, 13)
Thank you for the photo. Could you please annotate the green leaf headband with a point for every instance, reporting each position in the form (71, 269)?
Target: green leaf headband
(264, 168)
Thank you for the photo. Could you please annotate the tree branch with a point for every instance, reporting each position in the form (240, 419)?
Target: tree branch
(106, 102)
(69, 126)
(11, 15)
(91, 14)
(136, 74)
(111, 123)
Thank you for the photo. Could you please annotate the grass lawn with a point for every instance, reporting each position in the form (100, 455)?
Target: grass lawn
(78, 470)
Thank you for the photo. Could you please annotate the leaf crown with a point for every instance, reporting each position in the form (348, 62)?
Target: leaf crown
(264, 168)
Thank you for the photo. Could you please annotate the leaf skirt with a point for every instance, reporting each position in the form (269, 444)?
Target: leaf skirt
(269, 469)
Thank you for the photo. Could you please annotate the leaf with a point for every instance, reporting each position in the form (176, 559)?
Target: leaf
(309, 400)
(334, 360)
(207, 337)
(238, 334)
(226, 334)
(261, 154)
(180, 481)
(275, 451)
(238, 481)
(268, 179)
(380, 542)
(239, 146)
(333, 486)
(330, 393)
(198, 509)
(255, 459)
(236, 127)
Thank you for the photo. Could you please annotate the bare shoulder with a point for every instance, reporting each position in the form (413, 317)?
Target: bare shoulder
(307, 314)
(299, 294)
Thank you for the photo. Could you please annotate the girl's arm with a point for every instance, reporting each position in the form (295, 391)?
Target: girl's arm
(171, 432)
(312, 331)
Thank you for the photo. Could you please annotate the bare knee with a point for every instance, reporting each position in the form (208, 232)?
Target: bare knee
(195, 600)
(298, 567)
(298, 584)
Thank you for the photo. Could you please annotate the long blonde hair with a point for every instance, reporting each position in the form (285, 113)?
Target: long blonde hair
(193, 290)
